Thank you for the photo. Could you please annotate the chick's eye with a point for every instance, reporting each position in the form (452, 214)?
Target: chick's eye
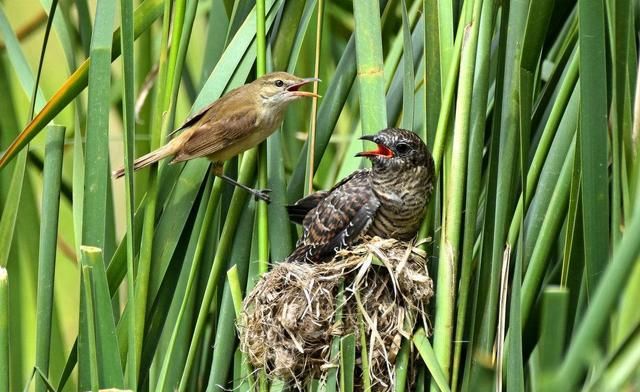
(402, 148)
(279, 83)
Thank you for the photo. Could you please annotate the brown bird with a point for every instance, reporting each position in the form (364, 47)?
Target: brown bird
(388, 200)
(238, 121)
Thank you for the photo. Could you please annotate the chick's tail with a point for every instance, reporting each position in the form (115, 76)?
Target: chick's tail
(150, 158)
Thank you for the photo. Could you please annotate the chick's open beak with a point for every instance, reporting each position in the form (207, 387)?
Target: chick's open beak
(294, 88)
(381, 151)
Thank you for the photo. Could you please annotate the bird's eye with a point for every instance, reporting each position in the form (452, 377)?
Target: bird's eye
(402, 148)
(279, 83)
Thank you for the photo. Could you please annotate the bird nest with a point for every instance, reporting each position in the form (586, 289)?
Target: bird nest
(289, 320)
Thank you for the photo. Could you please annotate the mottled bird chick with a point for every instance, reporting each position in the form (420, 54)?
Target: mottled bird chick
(238, 121)
(388, 200)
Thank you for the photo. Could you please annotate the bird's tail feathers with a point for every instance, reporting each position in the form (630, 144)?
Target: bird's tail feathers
(299, 255)
(298, 211)
(308, 254)
(148, 159)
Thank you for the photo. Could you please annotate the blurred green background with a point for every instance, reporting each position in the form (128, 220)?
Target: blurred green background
(529, 108)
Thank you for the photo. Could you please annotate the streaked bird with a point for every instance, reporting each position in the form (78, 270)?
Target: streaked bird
(236, 122)
(388, 200)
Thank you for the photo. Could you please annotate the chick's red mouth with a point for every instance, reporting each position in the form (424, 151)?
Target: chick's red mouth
(381, 151)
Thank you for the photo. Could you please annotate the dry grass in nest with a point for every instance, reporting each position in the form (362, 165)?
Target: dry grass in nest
(289, 319)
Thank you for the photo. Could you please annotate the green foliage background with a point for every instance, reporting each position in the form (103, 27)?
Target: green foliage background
(528, 106)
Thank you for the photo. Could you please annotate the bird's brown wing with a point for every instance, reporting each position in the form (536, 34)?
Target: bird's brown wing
(299, 210)
(339, 219)
(230, 99)
(195, 118)
(212, 134)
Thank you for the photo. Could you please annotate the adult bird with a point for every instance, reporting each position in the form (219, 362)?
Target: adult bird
(388, 200)
(236, 122)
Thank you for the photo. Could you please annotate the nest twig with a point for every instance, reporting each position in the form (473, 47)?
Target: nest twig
(289, 319)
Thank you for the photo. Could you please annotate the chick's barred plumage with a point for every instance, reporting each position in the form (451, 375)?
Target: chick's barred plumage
(388, 200)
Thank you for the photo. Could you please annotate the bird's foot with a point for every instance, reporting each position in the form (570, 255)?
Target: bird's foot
(258, 194)
(262, 194)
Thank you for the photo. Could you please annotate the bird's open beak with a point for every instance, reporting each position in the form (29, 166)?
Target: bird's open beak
(381, 151)
(294, 88)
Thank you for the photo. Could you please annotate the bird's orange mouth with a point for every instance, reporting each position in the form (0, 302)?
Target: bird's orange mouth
(381, 151)
(294, 88)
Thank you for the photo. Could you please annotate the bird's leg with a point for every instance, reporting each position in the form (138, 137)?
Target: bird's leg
(261, 194)
(258, 194)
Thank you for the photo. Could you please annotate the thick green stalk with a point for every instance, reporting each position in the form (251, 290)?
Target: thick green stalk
(433, 89)
(408, 80)
(593, 139)
(404, 101)
(370, 65)
(47, 248)
(396, 49)
(280, 238)
(311, 152)
(452, 217)
(97, 325)
(474, 173)
(402, 365)
(97, 139)
(347, 362)
(128, 93)
(446, 37)
(185, 19)
(263, 219)
(78, 187)
(11, 208)
(555, 301)
(235, 287)
(332, 374)
(144, 264)
(261, 39)
(427, 354)
(91, 329)
(450, 80)
(364, 352)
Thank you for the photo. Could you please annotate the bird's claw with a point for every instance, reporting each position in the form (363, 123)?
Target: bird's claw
(262, 194)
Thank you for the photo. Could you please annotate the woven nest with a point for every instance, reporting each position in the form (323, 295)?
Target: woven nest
(292, 315)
